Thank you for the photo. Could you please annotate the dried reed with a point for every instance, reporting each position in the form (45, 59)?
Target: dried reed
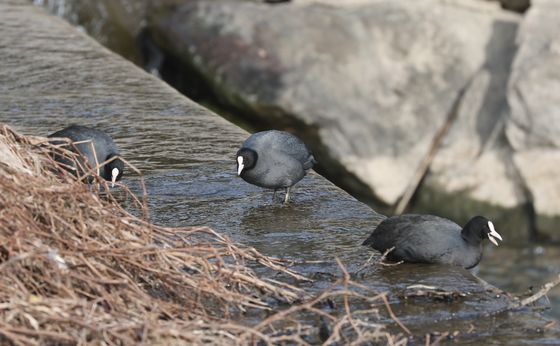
(77, 268)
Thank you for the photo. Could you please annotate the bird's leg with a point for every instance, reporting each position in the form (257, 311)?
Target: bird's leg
(274, 195)
(287, 198)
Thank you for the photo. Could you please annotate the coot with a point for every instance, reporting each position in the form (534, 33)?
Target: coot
(105, 149)
(274, 159)
(432, 239)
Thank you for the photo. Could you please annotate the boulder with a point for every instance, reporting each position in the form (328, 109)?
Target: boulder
(372, 82)
(533, 128)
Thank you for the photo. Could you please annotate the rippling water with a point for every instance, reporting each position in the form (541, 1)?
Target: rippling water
(191, 180)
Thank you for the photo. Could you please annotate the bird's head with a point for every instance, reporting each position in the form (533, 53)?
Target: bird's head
(114, 169)
(246, 159)
(479, 228)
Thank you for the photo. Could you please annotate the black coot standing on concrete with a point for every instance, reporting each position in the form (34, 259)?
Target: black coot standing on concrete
(432, 239)
(274, 159)
(105, 149)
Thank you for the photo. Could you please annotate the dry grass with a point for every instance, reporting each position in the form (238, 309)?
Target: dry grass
(77, 268)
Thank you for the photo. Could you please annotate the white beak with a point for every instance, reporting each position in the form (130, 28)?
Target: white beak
(114, 175)
(240, 165)
(493, 234)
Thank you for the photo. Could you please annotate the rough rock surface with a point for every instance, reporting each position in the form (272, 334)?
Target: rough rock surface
(533, 129)
(376, 80)
(474, 159)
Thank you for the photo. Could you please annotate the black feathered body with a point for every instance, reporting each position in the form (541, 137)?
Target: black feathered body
(283, 159)
(102, 142)
(424, 239)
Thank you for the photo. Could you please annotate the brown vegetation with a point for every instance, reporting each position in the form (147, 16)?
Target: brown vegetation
(77, 268)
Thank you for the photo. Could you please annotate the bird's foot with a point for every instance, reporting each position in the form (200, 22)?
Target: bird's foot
(287, 197)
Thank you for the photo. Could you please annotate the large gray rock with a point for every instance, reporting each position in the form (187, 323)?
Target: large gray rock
(533, 128)
(373, 82)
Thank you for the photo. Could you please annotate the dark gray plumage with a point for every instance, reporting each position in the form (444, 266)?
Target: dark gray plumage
(274, 159)
(105, 149)
(432, 239)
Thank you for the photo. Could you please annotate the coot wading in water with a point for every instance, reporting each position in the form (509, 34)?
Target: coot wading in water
(274, 160)
(96, 146)
(433, 239)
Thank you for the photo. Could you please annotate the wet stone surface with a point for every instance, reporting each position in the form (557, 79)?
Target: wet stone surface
(52, 76)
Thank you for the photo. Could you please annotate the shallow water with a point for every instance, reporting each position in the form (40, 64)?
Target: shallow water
(188, 186)
(187, 158)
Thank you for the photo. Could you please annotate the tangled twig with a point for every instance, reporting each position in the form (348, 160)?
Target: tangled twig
(79, 268)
